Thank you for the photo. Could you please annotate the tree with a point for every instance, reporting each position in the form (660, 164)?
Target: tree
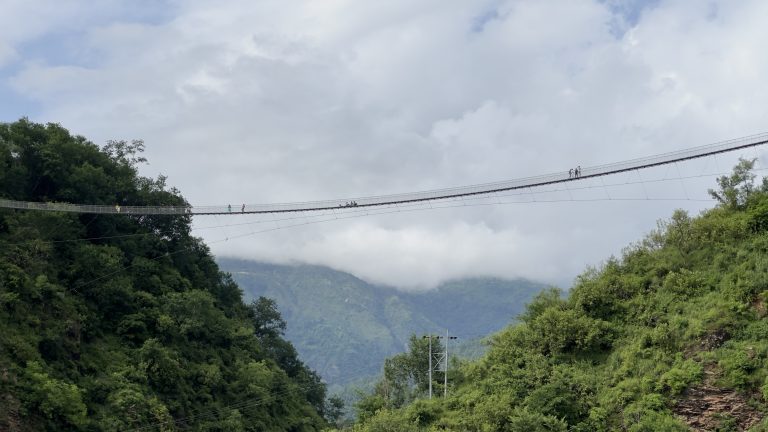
(406, 376)
(57, 399)
(128, 322)
(126, 152)
(334, 410)
(550, 297)
(267, 321)
(736, 188)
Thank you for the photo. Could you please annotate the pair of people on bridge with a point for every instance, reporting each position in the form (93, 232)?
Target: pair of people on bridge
(574, 172)
(229, 208)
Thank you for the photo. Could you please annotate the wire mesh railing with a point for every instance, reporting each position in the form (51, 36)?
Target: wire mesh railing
(403, 198)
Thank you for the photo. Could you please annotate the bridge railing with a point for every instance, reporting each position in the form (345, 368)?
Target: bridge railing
(411, 197)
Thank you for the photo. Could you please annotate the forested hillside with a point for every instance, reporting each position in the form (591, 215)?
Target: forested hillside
(344, 327)
(119, 322)
(670, 336)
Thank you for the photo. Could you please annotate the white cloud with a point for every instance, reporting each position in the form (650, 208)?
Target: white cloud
(265, 101)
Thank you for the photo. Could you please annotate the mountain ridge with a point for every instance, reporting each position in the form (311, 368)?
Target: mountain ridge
(340, 323)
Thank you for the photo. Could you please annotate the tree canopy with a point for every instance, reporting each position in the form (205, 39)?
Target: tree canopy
(120, 322)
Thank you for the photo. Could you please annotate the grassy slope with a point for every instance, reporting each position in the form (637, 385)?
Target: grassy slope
(671, 336)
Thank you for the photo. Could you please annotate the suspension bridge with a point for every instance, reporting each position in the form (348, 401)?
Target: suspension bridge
(411, 197)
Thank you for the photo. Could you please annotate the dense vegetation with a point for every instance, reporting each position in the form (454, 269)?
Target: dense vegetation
(673, 335)
(119, 322)
(344, 327)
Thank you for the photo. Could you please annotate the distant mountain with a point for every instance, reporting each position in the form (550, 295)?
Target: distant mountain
(344, 327)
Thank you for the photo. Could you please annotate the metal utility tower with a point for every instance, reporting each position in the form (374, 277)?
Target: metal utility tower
(445, 375)
(440, 359)
(430, 365)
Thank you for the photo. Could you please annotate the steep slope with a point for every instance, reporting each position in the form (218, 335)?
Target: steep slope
(344, 327)
(672, 336)
(120, 322)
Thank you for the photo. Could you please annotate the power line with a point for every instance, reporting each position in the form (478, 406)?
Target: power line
(412, 197)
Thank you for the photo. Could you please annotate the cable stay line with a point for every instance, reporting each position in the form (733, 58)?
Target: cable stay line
(475, 201)
(390, 210)
(412, 197)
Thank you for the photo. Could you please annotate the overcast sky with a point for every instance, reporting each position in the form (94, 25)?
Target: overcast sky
(278, 101)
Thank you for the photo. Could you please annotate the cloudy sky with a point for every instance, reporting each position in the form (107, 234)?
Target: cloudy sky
(276, 101)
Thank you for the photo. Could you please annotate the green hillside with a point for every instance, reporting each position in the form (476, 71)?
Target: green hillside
(344, 327)
(120, 322)
(671, 336)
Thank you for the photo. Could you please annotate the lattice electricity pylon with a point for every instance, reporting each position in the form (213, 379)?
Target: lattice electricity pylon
(439, 360)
